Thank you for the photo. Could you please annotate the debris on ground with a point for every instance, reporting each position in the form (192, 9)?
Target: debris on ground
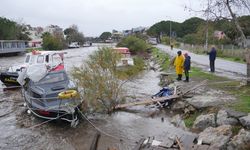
(186, 142)
(160, 98)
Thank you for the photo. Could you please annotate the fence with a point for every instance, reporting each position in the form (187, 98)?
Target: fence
(231, 51)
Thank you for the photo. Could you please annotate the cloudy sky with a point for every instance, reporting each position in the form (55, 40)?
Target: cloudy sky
(96, 16)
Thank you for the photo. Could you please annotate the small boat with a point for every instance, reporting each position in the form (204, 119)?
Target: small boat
(126, 59)
(53, 97)
(50, 59)
(74, 45)
(9, 78)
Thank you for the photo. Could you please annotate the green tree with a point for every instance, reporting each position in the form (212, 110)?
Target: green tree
(105, 35)
(10, 30)
(163, 27)
(52, 42)
(73, 35)
(244, 22)
(134, 44)
(97, 76)
(190, 26)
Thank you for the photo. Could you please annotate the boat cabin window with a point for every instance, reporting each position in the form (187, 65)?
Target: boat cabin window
(27, 59)
(40, 59)
(52, 78)
(47, 58)
(56, 60)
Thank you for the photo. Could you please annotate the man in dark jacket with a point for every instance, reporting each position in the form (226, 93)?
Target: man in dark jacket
(187, 64)
(212, 57)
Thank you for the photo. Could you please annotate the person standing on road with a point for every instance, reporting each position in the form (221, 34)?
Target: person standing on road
(178, 63)
(187, 64)
(172, 46)
(212, 57)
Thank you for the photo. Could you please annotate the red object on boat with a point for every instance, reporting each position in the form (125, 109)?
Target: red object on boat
(35, 52)
(58, 67)
(43, 112)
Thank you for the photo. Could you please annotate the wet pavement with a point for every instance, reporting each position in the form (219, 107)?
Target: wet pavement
(223, 67)
(19, 131)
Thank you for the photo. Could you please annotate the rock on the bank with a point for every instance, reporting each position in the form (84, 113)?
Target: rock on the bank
(245, 121)
(180, 105)
(224, 119)
(235, 114)
(241, 141)
(204, 121)
(178, 122)
(216, 137)
(209, 98)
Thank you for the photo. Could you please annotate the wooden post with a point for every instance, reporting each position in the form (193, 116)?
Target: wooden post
(248, 67)
(94, 143)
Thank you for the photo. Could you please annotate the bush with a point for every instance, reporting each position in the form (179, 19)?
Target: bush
(51, 42)
(134, 44)
(191, 39)
(102, 89)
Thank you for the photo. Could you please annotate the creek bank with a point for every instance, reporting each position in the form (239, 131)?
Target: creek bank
(203, 113)
(216, 137)
(217, 127)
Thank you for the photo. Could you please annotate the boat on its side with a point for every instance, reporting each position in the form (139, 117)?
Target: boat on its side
(53, 97)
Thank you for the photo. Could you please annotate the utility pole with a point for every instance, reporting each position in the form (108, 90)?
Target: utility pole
(208, 9)
(170, 30)
(248, 68)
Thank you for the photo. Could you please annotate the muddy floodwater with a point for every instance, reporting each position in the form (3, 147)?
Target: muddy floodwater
(19, 130)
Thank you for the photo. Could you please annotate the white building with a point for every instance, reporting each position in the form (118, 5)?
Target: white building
(52, 29)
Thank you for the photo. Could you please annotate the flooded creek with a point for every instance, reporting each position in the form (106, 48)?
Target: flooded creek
(19, 131)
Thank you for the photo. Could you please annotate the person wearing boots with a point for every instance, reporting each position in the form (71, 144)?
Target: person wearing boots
(178, 63)
(212, 57)
(187, 64)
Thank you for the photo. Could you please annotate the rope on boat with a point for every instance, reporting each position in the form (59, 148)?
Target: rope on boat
(10, 87)
(49, 108)
(37, 125)
(98, 129)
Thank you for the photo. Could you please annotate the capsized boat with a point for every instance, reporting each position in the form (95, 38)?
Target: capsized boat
(53, 97)
(52, 60)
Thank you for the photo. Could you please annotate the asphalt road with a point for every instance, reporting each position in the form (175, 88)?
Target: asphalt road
(222, 67)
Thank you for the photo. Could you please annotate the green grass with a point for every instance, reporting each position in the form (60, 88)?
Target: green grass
(235, 130)
(234, 59)
(189, 121)
(162, 58)
(199, 74)
(243, 103)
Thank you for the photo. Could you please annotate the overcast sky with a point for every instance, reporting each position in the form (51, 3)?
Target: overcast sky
(96, 16)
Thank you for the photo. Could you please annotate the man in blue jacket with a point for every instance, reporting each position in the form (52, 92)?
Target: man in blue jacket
(212, 57)
(187, 64)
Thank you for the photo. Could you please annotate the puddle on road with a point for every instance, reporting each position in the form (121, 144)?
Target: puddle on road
(129, 126)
